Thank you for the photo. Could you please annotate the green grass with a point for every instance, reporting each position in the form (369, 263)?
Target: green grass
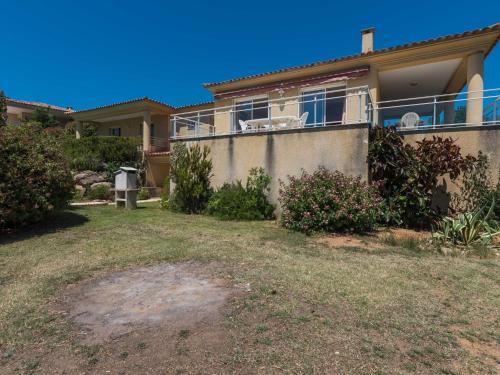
(311, 309)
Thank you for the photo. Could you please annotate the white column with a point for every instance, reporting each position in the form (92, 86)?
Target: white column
(146, 131)
(78, 130)
(475, 87)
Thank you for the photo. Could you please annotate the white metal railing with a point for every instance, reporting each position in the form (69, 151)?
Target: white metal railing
(333, 107)
(312, 108)
(438, 111)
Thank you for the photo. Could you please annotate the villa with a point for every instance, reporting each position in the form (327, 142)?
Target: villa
(22, 110)
(320, 113)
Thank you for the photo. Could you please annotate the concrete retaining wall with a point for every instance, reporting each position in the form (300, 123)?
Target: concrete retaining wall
(287, 152)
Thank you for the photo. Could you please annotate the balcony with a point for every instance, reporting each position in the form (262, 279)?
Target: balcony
(313, 108)
(338, 107)
(439, 111)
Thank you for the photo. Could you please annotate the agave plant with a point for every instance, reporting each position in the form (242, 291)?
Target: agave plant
(469, 228)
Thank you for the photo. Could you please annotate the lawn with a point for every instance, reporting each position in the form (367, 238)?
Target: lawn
(308, 307)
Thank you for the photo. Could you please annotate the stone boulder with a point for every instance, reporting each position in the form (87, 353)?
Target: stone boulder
(87, 178)
(80, 189)
(104, 183)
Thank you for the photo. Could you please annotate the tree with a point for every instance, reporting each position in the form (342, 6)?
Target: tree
(3, 109)
(43, 117)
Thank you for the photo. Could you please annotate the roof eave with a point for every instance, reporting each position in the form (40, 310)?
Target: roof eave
(357, 58)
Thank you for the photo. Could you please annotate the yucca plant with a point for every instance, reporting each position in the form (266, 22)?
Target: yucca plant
(469, 228)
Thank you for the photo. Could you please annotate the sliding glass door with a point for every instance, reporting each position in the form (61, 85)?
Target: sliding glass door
(250, 110)
(323, 106)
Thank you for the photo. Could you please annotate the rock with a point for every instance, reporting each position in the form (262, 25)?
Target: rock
(80, 189)
(104, 183)
(87, 178)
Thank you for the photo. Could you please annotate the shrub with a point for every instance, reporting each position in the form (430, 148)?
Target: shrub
(100, 153)
(99, 192)
(407, 176)
(476, 188)
(191, 171)
(143, 194)
(164, 196)
(34, 176)
(328, 201)
(236, 202)
(470, 228)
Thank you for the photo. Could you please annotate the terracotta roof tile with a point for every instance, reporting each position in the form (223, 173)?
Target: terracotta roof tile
(145, 98)
(40, 104)
(493, 27)
(194, 104)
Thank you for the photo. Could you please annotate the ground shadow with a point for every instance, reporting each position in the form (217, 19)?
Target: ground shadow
(59, 221)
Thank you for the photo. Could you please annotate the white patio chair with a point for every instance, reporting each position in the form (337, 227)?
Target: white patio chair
(243, 125)
(303, 119)
(410, 120)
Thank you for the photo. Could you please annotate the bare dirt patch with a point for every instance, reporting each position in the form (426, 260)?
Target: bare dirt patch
(343, 241)
(172, 295)
(402, 233)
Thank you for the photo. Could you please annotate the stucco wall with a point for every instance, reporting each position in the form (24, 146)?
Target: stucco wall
(286, 152)
(290, 105)
(157, 169)
(131, 127)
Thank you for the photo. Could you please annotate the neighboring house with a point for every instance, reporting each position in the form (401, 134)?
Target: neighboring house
(320, 113)
(21, 110)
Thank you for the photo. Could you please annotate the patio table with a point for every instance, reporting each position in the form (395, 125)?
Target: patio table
(270, 122)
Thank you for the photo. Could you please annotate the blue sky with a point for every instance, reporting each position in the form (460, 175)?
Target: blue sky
(89, 53)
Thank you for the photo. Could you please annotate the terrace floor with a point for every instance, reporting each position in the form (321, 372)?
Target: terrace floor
(276, 302)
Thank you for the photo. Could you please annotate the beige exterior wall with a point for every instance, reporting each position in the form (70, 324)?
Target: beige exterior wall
(287, 152)
(157, 169)
(13, 119)
(289, 103)
(131, 127)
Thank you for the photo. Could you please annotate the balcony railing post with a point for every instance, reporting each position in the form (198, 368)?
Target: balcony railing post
(434, 113)
(494, 111)
(175, 127)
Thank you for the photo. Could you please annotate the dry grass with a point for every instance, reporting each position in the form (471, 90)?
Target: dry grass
(313, 309)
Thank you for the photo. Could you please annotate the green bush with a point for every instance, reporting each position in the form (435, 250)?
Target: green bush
(236, 202)
(477, 191)
(143, 194)
(101, 153)
(34, 176)
(165, 194)
(99, 192)
(328, 201)
(191, 171)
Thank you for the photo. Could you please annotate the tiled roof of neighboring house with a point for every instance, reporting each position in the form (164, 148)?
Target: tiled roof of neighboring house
(493, 27)
(145, 98)
(186, 106)
(40, 104)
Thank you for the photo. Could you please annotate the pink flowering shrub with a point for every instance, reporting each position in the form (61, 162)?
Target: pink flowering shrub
(328, 201)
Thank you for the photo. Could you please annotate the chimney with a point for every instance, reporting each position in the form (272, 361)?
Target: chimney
(367, 39)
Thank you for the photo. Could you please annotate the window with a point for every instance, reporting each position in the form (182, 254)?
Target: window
(116, 132)
(250, 110)
(324, 106)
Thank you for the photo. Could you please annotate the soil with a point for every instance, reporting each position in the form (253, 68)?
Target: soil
(162, 319)
(348, 241)
(163, 295)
